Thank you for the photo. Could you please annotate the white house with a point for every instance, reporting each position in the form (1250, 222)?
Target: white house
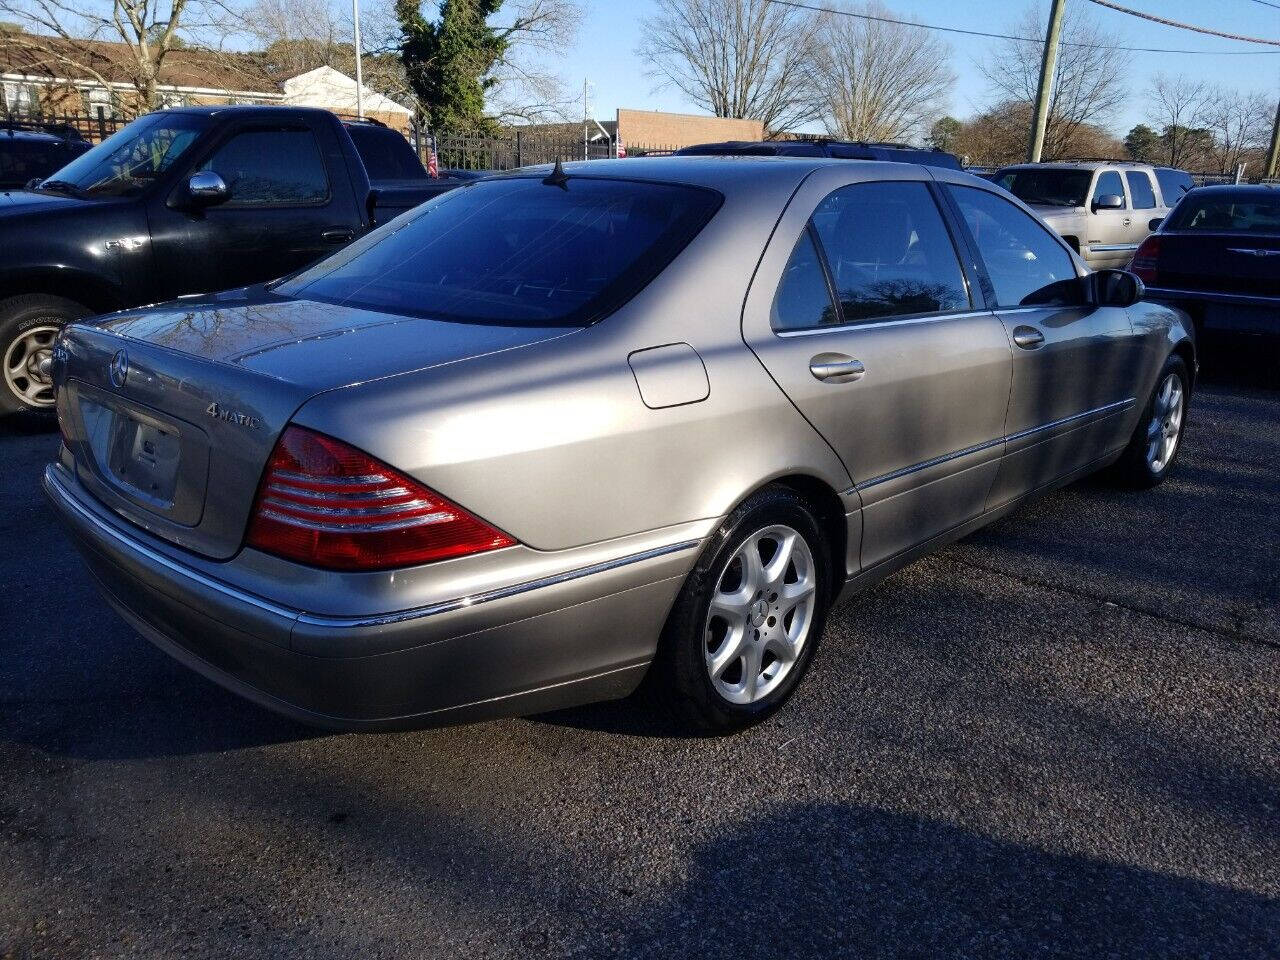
(333, 90)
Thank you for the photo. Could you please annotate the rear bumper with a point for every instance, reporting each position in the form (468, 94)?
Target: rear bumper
(1226, 312)
(586, 634)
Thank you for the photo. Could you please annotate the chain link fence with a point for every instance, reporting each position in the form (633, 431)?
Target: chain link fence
(518, 148)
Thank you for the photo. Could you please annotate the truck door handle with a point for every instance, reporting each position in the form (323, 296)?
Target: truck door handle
(338, 235)
(1127, 220)
(836, 368)
(1028, 338)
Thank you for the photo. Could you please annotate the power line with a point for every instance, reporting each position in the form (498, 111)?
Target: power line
(1182, 26)
(1268, 3)
(1008, 36)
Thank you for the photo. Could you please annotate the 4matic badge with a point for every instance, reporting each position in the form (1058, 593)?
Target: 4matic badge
(219, 412)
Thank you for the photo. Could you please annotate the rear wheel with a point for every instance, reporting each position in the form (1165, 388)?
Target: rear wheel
(746, 624)
(1153, 449)
(29, 325)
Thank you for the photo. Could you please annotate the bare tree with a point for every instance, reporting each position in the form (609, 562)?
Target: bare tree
(63, 38)
(1088, 80)
(1241, 126)
(522, 88)
(1178, 107)
(878, 81)
(734, 58)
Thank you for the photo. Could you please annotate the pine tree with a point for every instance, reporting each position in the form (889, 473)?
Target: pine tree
(448, 61)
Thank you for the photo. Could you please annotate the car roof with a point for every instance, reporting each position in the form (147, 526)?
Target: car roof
(245, 109)
(720, 172)
(1078, 165)
(1247, 189)
(40, 135)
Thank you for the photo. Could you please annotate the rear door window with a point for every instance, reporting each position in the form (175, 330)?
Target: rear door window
(516, 251)
(803, 300)
(889, 252)
(1144, 198)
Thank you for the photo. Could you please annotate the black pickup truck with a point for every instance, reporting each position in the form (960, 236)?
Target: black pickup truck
(182, 202)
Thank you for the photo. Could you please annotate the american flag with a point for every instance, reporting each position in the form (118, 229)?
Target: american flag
(433, 161)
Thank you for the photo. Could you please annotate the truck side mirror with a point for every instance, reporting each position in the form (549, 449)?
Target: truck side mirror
(1108, 201)
(206, 189)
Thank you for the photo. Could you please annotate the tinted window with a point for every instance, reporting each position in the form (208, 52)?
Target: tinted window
(1173, 184)
(268, 168)
(516, 251)
(20, 159)
(1027, 265)
(803, 299)
(1144, 198)
(1108, 183)
(1048, 188)
(1228, 214)
(386, 154)
(889, 252)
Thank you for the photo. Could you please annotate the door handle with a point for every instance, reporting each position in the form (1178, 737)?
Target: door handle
(1127, 220)
(1028, 338)
(338, 235)
(836, 368)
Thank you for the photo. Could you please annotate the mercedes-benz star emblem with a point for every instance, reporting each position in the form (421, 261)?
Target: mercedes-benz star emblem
(119, 368)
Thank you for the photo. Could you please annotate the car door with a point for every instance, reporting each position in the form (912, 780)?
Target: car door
(284, 210)
(861, 311)
(1074, 364)
(1107, 234)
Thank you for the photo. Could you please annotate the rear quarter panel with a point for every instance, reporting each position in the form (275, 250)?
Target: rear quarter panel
(554, 444)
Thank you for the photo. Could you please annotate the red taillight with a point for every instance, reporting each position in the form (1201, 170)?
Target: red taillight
(326, 504)
(1146, 260)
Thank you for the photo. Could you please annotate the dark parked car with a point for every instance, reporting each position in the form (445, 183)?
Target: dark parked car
(1217, 256)
(838, 149)
(183, 202)
(32, 154)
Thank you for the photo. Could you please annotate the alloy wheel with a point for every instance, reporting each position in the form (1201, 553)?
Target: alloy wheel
(22, 362)
(760, 614)
(1165, 428)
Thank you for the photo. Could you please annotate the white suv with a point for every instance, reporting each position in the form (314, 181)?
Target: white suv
(1103, 208)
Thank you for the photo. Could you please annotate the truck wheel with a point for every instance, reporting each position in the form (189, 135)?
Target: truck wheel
(28, 326)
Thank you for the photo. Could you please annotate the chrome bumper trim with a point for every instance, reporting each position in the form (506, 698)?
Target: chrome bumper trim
(67, 500)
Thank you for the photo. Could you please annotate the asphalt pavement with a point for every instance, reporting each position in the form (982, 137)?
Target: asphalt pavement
(1057, 738)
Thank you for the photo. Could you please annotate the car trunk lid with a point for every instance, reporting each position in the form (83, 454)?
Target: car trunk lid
(1243, 263)
(172, 414)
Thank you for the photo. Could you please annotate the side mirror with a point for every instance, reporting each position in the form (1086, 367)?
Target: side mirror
(33, 183)
(1108, 201)
(1115, 288)
(206, 189)
(1154, 223)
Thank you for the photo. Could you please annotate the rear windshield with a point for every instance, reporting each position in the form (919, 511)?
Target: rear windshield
(1228, 214)
(1049, 188)
(386, 154)
(516, 251)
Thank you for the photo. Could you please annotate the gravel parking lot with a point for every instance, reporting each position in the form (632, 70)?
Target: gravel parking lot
(1058, 737)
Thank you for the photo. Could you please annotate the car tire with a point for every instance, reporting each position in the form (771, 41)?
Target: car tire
(28, 326)
(772, 613)
(1157, 439)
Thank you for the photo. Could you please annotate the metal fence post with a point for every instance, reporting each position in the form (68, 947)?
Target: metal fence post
(519, 150)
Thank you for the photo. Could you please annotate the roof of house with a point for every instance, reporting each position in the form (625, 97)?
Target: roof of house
(55, 57)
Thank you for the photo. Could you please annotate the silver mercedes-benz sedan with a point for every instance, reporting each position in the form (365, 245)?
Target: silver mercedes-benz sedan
(553, 434)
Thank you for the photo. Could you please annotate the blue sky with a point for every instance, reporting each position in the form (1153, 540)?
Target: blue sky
(610, 32)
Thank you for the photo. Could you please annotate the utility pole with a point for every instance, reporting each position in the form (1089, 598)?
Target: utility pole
(1274, 153)
(355, 16)
(1047, 66)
